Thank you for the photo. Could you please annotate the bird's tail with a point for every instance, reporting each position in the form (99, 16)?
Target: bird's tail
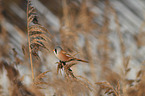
(81, 60)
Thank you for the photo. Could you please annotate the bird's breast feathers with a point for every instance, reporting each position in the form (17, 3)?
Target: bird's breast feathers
(63, 56)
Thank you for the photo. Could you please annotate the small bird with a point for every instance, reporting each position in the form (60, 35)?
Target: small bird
(64, 57)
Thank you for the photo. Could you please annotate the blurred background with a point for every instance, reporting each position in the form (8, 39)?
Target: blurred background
(107, 33)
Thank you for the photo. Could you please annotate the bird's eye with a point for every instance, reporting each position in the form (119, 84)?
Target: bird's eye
(55, 51)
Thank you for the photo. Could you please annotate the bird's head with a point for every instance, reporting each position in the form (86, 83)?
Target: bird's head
(57, 50)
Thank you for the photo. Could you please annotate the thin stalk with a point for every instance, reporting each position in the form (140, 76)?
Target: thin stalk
(29, 42)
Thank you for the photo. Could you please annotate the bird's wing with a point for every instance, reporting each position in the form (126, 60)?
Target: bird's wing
(66, 54)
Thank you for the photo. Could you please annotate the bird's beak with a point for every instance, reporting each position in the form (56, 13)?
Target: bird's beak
(53, 50)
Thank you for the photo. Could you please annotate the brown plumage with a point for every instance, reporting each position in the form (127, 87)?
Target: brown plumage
(63, 56)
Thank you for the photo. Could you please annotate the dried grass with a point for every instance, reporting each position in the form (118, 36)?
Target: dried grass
(76, 20)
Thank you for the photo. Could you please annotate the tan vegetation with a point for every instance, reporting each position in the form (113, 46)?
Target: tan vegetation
(29, 67)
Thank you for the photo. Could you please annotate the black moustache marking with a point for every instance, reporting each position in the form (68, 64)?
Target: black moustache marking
(55, 51)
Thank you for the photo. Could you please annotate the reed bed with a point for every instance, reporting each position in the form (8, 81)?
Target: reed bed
(91, 30)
